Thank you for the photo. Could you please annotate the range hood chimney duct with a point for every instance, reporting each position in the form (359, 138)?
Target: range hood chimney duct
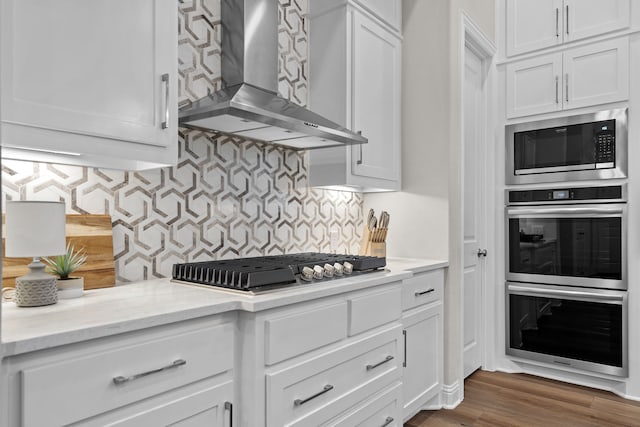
(248, 105)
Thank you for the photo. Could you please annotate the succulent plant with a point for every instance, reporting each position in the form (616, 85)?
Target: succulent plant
(64, 265)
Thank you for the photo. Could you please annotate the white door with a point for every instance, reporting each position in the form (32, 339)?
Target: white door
(586, 18)
(376, 100)
(534, 86)
(533, 24)
(474, 222)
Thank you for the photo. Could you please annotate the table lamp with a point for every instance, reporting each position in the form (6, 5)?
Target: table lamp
(35, 229)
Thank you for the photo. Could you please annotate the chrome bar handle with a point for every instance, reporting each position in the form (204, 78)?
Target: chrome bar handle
(176, 363)
(528, 290)
(557, 22)
(566, 87)
(386, 359)
(557, 89)
(404, 360)
(326, 389)
(387, 421)
(165, 80)
(229, 406)
(359, 162)
(567, 18)
(420, 293)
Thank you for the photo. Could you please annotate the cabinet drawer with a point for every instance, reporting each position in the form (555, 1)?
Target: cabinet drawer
(316, 391)
(83, 385)
(372, 310)
(300, 331)
(382, 410)
(422, 288)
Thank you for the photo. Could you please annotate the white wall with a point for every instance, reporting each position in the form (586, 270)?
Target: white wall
(426, 216)
(419, 214)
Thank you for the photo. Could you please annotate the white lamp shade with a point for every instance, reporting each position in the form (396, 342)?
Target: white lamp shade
(35, 229)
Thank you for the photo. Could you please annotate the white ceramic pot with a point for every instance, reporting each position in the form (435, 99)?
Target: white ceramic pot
(73, 287)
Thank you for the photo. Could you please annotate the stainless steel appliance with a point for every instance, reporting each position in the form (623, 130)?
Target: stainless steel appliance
(568, 236)
(566, 276)
(259, 274)
(588, 146)
(248, 104)
(580, 328)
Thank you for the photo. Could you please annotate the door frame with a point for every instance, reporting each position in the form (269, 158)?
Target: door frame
(475, 39)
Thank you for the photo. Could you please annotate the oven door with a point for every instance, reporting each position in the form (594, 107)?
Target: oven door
(576, 245)
(572, 327)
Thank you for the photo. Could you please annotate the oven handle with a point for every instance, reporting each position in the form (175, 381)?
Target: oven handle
(604, 210)
(531, 291)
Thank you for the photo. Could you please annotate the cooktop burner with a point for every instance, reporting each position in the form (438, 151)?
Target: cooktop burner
(267, 272)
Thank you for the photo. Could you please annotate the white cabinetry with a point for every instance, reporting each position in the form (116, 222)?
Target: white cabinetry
(355, 81)
(175, 375)
(589, 75)
(422, 303)
(335, 361)
(90, 85)
(537, 24)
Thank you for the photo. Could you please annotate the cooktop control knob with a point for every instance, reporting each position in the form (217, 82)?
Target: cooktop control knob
(318, 272)
(348, 267)
(307, 274)
(337, 269)
(328, 270)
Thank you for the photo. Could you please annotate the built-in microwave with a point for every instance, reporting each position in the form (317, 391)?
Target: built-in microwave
(584, 147)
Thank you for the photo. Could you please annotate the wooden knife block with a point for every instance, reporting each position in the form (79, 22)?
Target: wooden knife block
(373, 243)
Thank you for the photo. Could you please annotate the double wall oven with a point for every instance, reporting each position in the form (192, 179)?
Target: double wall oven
(567, 277)
(566, 255)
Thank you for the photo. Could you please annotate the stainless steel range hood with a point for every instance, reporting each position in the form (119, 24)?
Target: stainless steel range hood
(249, 105)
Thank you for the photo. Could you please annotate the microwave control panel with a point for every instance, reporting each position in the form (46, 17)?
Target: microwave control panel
(605, 146)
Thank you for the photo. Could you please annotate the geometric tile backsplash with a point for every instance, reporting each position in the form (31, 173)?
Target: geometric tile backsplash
(227, 197)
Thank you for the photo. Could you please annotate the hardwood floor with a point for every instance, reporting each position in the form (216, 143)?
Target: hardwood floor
(495, 399)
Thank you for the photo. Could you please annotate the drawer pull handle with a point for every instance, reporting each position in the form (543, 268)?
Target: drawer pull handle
(175, 364)
(165, 80)
(386, 359)
(326, 388)
(387, 421)
(420, 293)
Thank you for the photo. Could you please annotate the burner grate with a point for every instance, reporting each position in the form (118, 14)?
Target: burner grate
(256, 272)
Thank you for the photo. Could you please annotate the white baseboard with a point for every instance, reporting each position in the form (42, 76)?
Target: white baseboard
(451, 395)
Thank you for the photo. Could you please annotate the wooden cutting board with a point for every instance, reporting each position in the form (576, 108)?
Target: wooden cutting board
(91, 232)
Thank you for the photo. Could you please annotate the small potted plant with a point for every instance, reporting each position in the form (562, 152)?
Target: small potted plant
(63, 266)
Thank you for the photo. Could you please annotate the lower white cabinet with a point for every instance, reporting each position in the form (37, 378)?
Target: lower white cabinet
(129, 379)
(423, 341)
(323, 362)
(580, 77)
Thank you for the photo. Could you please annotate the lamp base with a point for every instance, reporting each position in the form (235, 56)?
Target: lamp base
(36, 288)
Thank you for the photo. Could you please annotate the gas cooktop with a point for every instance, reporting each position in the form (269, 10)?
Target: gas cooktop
(269, 272)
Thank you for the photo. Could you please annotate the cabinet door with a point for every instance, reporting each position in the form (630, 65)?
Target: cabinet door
(586, 18)
(422, 376)
(596, 74)
(534, 86)
(208, 407)
(93, 69)
(376, 100)
(533, 24)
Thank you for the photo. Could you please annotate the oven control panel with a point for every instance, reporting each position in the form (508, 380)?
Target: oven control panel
(611, 193)
(605, 143)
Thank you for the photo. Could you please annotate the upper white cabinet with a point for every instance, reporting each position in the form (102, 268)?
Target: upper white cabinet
(90, 85)
(589, 75)
(355, 78)
(537, 24)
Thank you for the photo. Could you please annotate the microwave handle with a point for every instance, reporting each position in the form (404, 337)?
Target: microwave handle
(604, 210)
(531, 291)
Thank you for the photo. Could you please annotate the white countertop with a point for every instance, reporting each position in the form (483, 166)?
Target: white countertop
(140, 305)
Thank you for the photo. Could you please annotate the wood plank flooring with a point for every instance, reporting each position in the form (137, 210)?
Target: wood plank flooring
(495, 399)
